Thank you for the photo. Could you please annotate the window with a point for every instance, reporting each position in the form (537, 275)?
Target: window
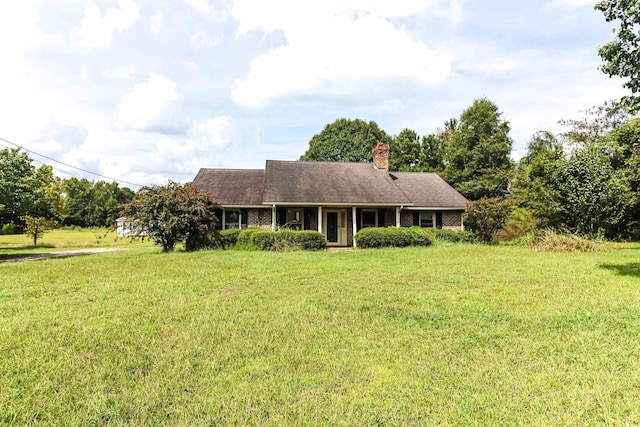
(231, 219)
(426, 219)
(295, 218)
(369, 218)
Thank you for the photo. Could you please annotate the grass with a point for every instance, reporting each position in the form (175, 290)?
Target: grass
(20, 244)
(450, 334)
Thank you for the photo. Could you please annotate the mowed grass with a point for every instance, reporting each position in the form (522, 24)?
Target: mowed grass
(447, 335)
(13, 245)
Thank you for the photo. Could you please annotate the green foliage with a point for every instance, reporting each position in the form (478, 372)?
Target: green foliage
(10, 229)
(245, 237)
(94, 204)
(311, 240)
(485, 217)
(398, 237)
(432, 151)
(404, 152)
(420, 236)
(263, 239)
(453, 236)
(477, 154)
(345, 141)
(173, 213)
(521, 223)
(26, 190)
(590, 193)
(622, 56)
(229, 238)
(35, 227)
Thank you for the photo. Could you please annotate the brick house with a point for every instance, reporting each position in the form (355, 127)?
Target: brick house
(334, 198)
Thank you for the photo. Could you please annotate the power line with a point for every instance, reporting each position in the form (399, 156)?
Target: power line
(69, 166)
(43, 163)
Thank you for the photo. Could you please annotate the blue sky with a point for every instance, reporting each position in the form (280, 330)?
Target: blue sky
(151, 90)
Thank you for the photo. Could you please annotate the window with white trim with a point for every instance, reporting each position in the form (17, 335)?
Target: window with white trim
(427, 219)
(295, 218)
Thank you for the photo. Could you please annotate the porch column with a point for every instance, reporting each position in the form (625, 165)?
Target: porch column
(398, 217)
(319, 219)
(354, 217)
(273, 218)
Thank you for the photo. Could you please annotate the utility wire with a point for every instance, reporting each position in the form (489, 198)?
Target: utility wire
(43, 163)
(70, 166)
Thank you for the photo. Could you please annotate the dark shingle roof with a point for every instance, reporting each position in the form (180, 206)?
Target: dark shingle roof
(232, 187)
(315, 183)
(329, 182)
(428, 190)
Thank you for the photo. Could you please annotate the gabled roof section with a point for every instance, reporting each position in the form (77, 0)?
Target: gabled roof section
(232, 187)
(428, 190)
(330, 183)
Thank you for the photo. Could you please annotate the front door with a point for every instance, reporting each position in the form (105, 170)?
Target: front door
(335, 227)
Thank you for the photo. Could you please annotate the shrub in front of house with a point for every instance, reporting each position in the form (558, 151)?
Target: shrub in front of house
(229, 237)
(453, 236)
(245, 239)
(420, 236)
(392, 237)
(311, 240)
(263, 239)
(284, 240)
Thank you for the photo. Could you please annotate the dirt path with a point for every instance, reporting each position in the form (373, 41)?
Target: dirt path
(59, 254)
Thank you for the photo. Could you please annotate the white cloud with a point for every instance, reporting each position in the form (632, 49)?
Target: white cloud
(122, 72)
(201, 6)
(333, 49)
(156, 22)
(85, 74)
(145, 104)
(213, 132)
(202, 38)
(574, 4)
(96, 31)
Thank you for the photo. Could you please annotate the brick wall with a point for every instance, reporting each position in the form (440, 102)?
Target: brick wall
(259, 218)
(452, 220)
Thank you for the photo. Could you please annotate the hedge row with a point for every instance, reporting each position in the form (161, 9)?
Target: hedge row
(397, 237)
(281, 240)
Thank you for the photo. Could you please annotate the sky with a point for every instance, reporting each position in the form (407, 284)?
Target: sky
(146, 91)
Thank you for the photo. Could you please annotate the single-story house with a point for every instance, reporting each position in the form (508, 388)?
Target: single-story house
(129, 228)
(335, 198)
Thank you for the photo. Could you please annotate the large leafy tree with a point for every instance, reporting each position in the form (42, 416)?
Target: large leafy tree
(26, 190)
(477, 153)
(404, 152)
(173, 213)
(345, 141)
(94, 204)
(590, 193)
(622, 56)
(532, 184)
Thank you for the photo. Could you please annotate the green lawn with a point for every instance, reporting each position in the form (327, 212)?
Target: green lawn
(448, 335)
(57, 240)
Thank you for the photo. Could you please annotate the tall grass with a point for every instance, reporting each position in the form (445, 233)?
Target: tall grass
(450, 334)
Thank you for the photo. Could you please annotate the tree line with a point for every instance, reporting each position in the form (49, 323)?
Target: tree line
(27, 191)
(583, 180)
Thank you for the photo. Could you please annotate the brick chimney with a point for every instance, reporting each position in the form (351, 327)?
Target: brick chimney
(381, 156)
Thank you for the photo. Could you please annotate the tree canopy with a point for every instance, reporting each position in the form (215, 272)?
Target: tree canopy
(345, 140)
(173, 213)
(622, 56)
(477, 161)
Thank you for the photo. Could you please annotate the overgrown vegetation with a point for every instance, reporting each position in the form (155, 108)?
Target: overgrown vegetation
(551, 241)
